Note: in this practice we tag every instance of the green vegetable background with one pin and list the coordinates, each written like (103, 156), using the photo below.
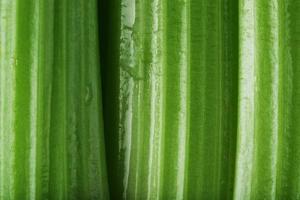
(150, 99)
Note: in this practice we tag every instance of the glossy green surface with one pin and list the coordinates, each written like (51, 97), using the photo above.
(188, 80)
(201, 99)
(268, 155)
(170, 85)
(51, 130)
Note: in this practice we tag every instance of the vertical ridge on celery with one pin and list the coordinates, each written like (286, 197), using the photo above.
(176, 102)
(284, 99)
(198, 72)
(213, 99)
(33, 107)
(293, 54)
(187, 150)
(73, 66)
(266, 100)
(245, 129)
(42, 89)
(153, 100)
(21, 130)
(288, 154)
(131, 95)
(259, 90)
(229, 89)
(86, 92)
(156, 129)
(7, 85)
(57, 138)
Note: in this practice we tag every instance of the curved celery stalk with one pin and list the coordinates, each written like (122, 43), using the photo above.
(171, 94)
(268, 136)
(51, 144)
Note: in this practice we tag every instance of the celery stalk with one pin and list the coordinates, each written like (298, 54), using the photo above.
(170, 82)
(51, 130)
(268, 137)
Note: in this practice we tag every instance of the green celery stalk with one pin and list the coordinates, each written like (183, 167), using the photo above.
(170, 93)
(51, 130)
(268, 131)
